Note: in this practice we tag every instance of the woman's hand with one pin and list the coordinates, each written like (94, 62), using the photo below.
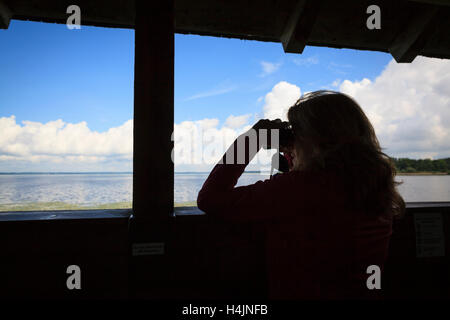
(269, 125)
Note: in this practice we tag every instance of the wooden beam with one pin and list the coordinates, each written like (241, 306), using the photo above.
(287, 38)
(413, 38)
(436, 2)
(153, 168)
(299, 26)
(5, 15)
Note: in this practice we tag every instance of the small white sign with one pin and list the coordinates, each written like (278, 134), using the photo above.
(430, 240)
(150, 248)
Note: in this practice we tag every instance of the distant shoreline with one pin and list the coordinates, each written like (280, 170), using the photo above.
(4, 173)
(182, 172)
(207, 172)
(422, 173)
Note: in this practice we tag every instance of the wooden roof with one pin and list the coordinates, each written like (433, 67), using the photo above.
(408, 27)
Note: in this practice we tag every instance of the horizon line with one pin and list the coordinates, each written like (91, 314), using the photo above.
(91, 172)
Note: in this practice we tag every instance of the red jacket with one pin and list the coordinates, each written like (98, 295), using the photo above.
(315, 248)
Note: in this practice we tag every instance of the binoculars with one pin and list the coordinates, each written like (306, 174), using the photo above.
(286, 135)
(286, 139)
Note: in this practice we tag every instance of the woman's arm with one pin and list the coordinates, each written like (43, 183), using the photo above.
(260, 201)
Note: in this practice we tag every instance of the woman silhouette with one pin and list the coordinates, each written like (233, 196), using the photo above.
(330, 217)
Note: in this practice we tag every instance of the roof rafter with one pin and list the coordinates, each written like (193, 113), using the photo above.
(5, 15)
(438, 2)
(299, 26)
(413, 38)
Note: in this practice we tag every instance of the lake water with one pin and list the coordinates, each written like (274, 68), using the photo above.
(94, 189)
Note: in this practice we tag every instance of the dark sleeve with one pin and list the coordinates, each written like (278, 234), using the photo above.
(262, 200)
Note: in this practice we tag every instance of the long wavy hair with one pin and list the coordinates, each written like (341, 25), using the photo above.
(333, 133)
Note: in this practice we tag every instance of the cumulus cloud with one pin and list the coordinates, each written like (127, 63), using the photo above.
(235, 122)
(55, 138)
(199, 145)
(277, 102)
(61, 146)
(61, 142)
(409, 107)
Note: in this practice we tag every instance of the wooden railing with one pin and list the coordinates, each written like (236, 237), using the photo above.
(202, 258)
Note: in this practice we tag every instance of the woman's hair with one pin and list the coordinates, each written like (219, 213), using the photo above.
(333, 133)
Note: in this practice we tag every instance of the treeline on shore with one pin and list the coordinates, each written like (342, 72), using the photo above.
(405, 165)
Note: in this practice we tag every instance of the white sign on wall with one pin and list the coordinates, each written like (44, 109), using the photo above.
(145, 249)
(430, 240)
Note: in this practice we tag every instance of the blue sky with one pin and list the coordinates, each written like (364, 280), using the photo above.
(208, 64)
(51, 72)
(85, 78)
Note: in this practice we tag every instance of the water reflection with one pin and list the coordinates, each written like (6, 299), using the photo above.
(86, 189)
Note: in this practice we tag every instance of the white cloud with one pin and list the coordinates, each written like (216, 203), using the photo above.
(409, 107)
(235, 122)
(60, 142)
(61, 146)
(200, 145)
(280, 99)
(55, 138)
(269, 67)
(306, 61)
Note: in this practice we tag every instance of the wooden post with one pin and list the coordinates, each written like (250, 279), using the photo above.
(153, 167)
(5, 15)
